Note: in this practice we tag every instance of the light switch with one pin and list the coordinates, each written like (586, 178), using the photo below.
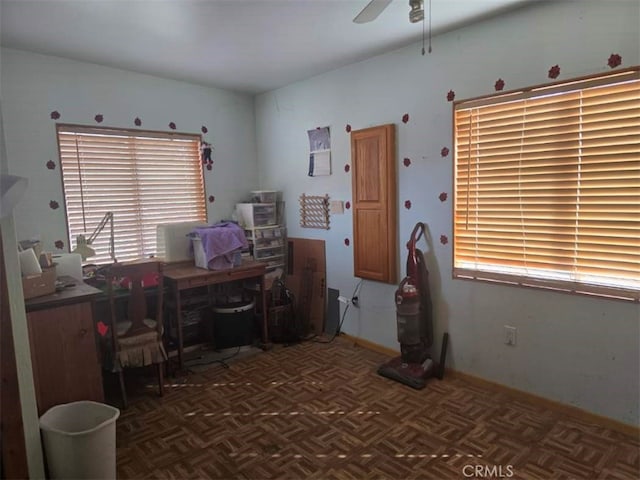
(336, 206)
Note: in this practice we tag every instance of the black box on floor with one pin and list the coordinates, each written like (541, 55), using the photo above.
(233, 325)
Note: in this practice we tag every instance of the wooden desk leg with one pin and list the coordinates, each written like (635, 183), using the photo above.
(265, 332)
(176, 296)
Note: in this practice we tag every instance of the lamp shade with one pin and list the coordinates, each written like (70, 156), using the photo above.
(83, 248)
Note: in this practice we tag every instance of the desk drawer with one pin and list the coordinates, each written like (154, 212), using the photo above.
(221, 276)
(198, 282)
(236, 275)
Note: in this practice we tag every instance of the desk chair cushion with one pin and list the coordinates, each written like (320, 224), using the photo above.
(140, 350)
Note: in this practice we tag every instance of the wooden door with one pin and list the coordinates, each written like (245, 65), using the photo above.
(375, 203)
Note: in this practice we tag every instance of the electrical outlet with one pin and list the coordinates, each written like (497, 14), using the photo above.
(509, 335)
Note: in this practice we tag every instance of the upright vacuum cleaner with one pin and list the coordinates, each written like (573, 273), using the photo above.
(414, 315)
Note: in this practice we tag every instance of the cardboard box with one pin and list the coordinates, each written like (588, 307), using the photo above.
(39, 284)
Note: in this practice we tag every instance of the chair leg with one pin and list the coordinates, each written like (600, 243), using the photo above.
(122, 390)
(160, 367)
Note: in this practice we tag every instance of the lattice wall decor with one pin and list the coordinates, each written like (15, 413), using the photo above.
(314, 211)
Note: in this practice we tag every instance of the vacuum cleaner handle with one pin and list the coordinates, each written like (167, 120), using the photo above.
(413, 240)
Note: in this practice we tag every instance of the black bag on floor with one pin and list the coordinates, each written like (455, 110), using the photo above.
(283, 326)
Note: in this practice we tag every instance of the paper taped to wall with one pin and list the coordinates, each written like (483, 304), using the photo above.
(320, 148)
(320, 163)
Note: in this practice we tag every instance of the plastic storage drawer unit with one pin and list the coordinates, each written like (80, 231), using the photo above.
(251, 215)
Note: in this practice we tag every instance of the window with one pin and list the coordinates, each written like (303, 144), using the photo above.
(547, 186)
(144, 178)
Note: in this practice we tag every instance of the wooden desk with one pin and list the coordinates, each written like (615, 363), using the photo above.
(180, 277)
(63, 346)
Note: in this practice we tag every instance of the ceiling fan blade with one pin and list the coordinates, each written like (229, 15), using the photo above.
(371, 11)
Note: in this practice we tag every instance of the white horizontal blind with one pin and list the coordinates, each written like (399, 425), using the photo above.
(144, 178)
(547, 187)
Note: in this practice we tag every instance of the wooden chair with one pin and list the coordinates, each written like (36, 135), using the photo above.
(136, 336)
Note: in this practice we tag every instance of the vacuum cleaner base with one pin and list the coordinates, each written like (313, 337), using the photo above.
(412, 374)
(415, 374)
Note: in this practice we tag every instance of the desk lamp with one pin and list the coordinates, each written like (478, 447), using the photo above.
(83, 243)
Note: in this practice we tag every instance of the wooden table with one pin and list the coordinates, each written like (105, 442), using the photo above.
(64, 353)
(180, 277)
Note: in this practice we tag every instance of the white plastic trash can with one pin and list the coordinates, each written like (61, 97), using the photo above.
(80, 440)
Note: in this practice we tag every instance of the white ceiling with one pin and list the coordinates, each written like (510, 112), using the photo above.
(244, 45)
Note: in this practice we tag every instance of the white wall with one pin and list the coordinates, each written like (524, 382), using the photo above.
(32, 86)
(576, 350)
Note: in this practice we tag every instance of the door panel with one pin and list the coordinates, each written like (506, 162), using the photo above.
(375, 203)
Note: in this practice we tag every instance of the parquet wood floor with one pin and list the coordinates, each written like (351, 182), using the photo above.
(319, 411)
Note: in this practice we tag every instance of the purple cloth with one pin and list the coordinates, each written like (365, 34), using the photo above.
(220, 242)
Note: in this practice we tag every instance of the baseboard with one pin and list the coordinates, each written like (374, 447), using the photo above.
(554, 405)
(370, 345)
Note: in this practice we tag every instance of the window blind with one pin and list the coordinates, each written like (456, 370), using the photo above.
(547, 186)
(144, 178)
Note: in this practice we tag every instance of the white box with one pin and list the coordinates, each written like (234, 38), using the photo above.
(173, 242)
(201, 259)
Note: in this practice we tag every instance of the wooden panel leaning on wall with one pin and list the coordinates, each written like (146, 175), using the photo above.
(306, 278)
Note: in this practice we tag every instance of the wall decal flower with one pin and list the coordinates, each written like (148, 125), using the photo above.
(554, 71)
(172, 126)
(405, 118)
(348, 128)
(444, 152)
(444, 239)
(346, 242)
(451, 95)
(53, 205)
(137, 121)
(212, 199)
(347, 167)
(204, 129)
(99, 118)
(55, 115)
(51, 165)
(407, 162)
(347, 205)
(407, 204)
(209, 166)
(499, 85)
(59, 244)
(615, 60)
(443, 197)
